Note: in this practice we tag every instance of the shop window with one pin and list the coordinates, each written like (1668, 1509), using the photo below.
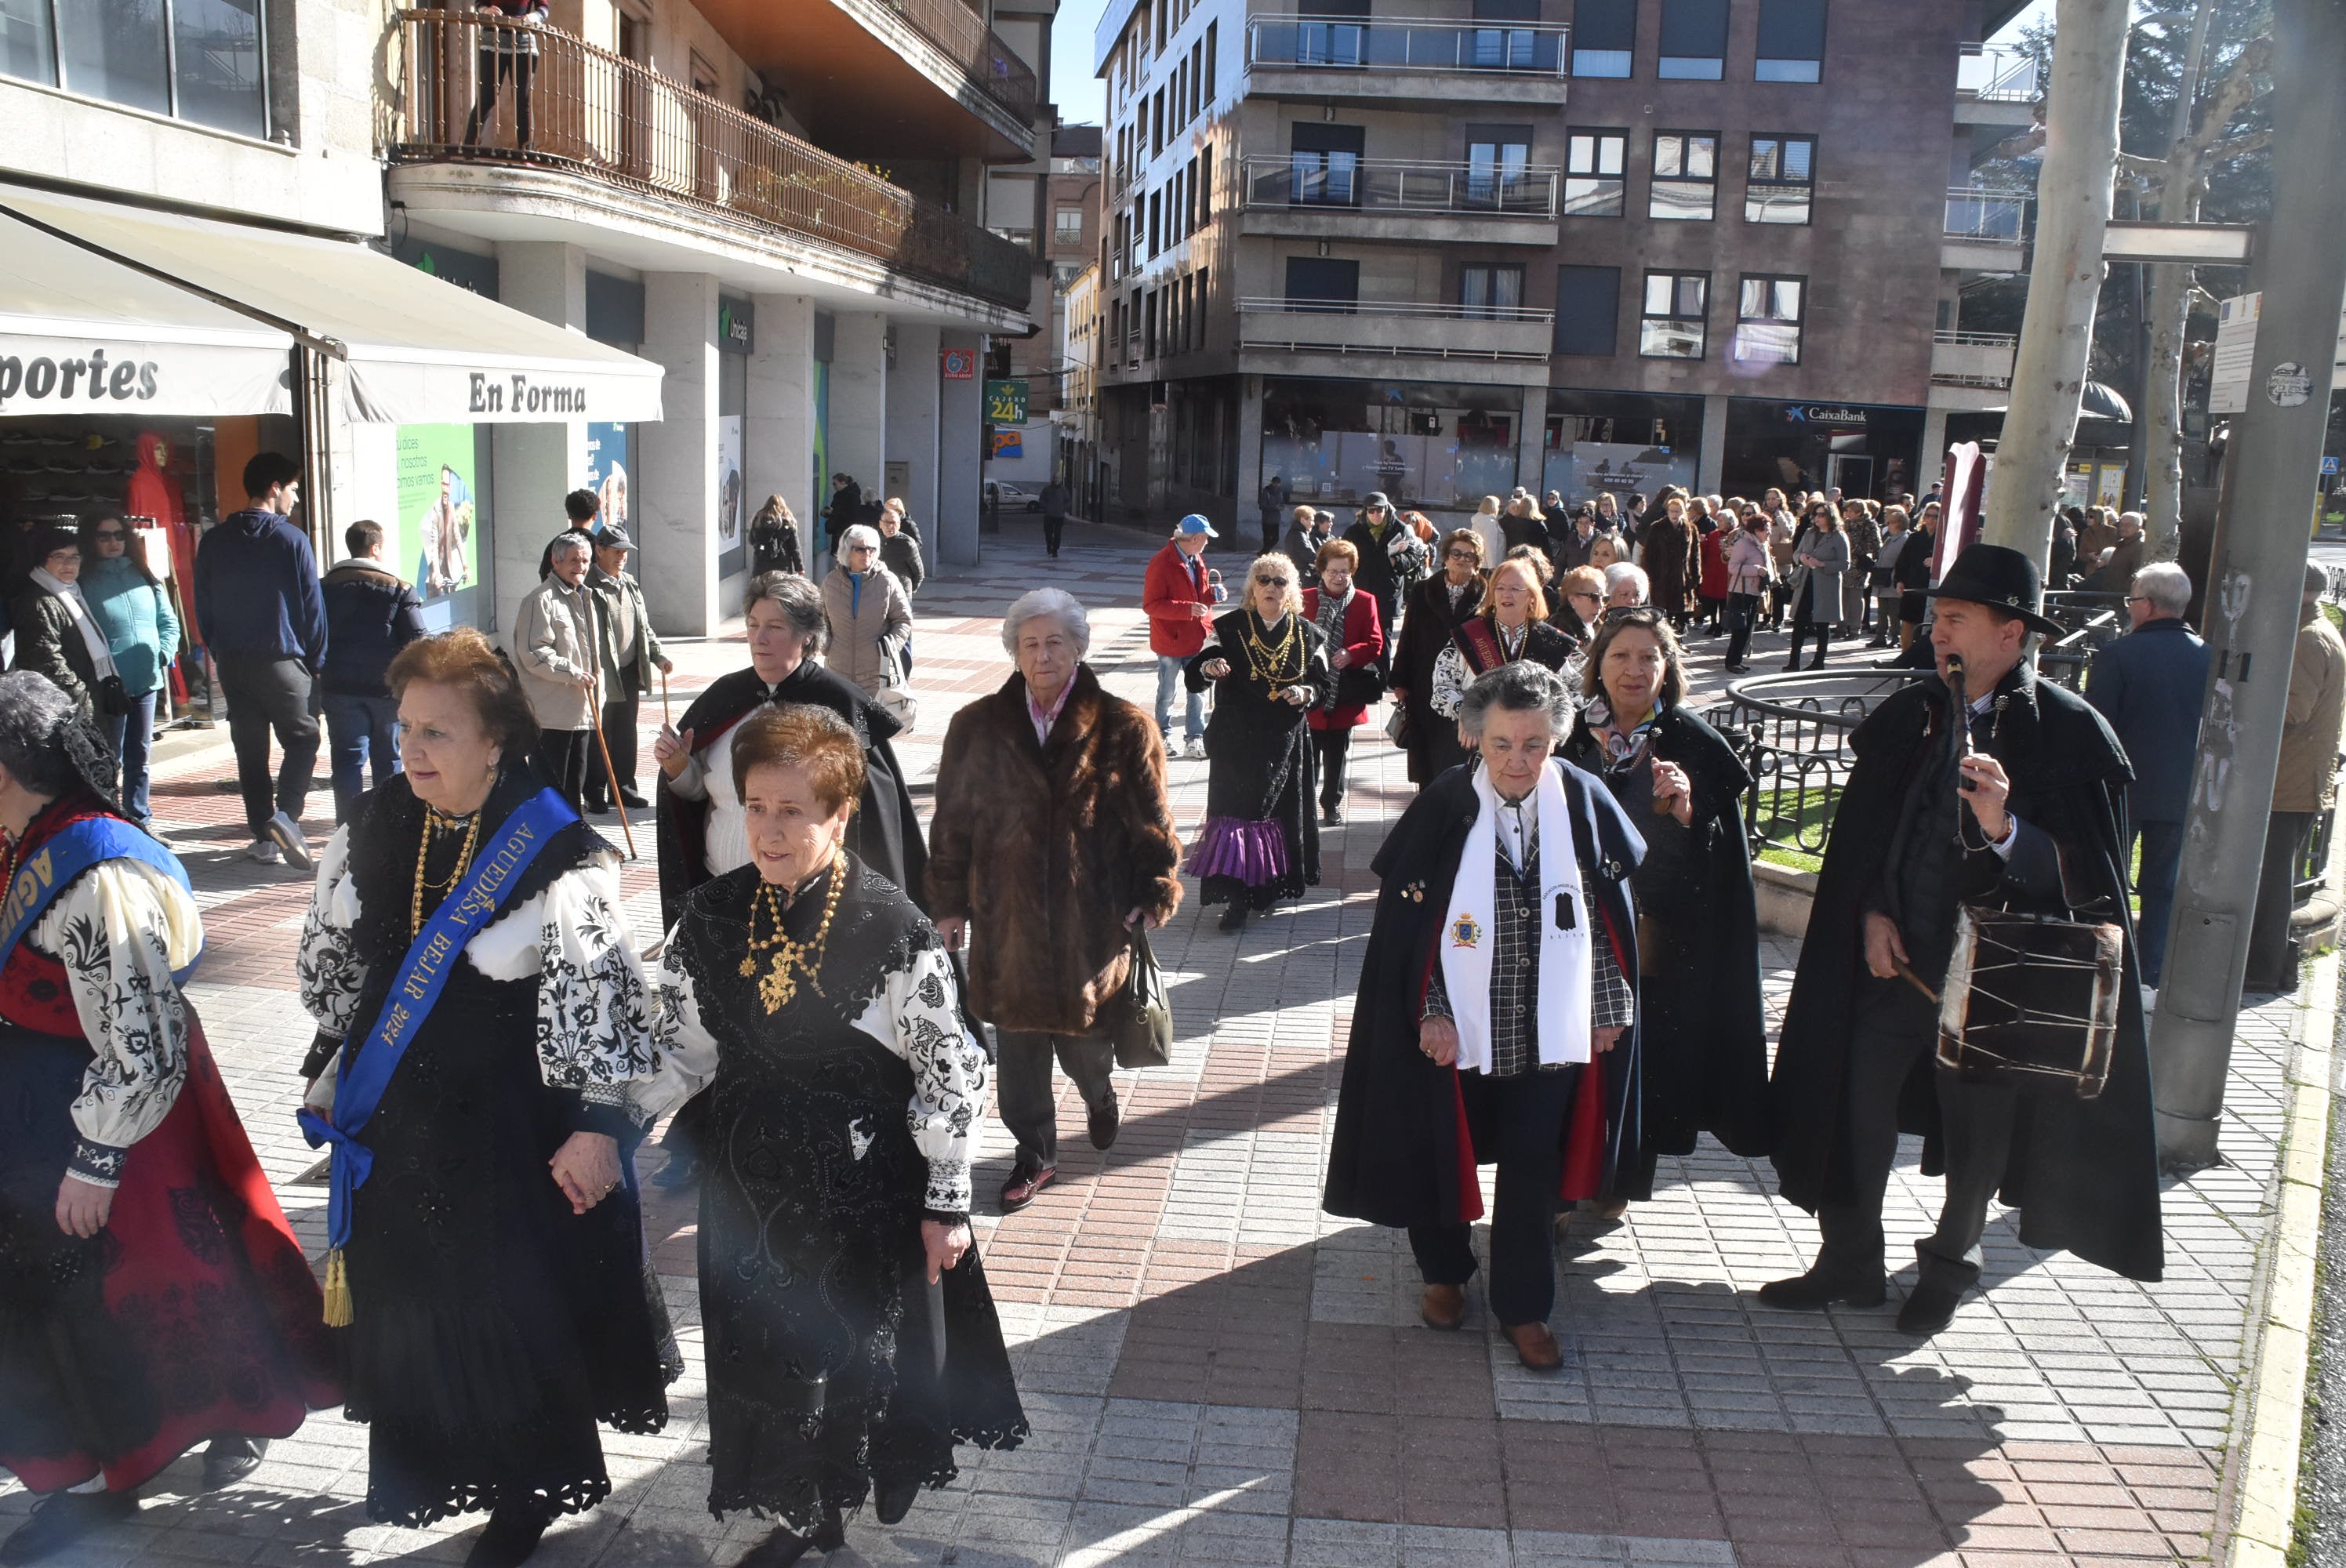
(1604, 36)
(1593, 163)
(1433, 445)
(1588, 309)
(1067, 225)
(1792, 41)
(1676, 309)
(1694, 41)
(1686, 175)
(1768, 320)
(1783, 179)
(1497, 157)
(1491, 290)
(198, 60)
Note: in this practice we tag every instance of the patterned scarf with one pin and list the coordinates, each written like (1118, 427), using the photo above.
(1620, 753)
(1331, 628)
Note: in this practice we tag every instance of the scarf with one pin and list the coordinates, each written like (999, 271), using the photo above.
(1566, 960)
(101, 657)
(1332, 627)
(1618, 753)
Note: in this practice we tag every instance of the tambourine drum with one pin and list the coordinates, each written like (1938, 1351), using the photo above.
(2031, 1001)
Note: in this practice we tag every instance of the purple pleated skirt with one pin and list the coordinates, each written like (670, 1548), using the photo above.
(1255, 853)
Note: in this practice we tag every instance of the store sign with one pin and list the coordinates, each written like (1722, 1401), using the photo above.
(734, 320)
(960, 364)
(1826, 414)
(1006, 402)
(52, 375)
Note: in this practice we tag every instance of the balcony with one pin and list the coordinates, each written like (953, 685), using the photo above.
(1344, 59)
(949, 82)
(1406, 338)
(1971, 370)
(1986, 232)
(1995, 87)
(624, 128)
(1312, 196)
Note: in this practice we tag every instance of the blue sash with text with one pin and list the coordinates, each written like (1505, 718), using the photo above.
(65, 855)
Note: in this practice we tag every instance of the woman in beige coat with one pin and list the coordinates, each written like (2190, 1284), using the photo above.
(871, 619)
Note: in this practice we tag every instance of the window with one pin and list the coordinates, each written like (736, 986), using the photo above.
(1322, 284)
(1503, 48)
(1593, 161)
(1156, 221)
(1686, 175)
(1694, 40)
(1201, 306)
(200, 60)
(1320, 42)
(1496, 159)
(1067, 225)
(1588, 309)
(1324, 166)
(1491, 289)
(1783, 179)
(1767, 321)
(1677, 305)
(1604, 36)
(1206, 86)
(1156, 122)
(1792, 41)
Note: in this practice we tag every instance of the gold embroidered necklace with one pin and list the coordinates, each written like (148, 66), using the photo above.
(1267, 663)
(779, 984)
(434, 824)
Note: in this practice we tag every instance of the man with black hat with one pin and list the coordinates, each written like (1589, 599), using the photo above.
(630, 650)
(2028, 821)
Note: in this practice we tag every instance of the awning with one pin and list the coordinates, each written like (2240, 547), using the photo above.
(80, 335)
(417, 351)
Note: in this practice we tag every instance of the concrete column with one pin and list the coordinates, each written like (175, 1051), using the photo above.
(1933, 458)
(914, 383)
(1531, 443)
(778, 412)
(533, 466)
(859, 397)
(1250, 477)
(1714, 443)
(676, 494)
(961, 406)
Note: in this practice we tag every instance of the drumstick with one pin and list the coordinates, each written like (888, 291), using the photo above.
(1915, 981)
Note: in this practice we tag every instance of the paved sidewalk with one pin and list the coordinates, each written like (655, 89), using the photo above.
(1218, 1372)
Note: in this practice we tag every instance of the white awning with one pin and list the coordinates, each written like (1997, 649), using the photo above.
(417, 351)
(80, 335)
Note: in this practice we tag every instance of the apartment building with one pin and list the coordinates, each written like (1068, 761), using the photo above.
(1441, 248)
(1066, 239)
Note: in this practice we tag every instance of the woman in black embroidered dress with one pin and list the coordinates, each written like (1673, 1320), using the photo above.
(819, 1008)
(1261, 841)
(1511, 625)
(499, 1303)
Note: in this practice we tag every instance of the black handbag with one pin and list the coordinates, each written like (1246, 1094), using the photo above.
(1143, 1035)
(112, 697)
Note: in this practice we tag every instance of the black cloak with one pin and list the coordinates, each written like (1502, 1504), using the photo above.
(1703, 1029)
(1395, 1159)
(885, 831)
(2083, 1173)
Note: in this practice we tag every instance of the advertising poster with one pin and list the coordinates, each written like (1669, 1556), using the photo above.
(439, 514)
(611, 464)
(730, 551)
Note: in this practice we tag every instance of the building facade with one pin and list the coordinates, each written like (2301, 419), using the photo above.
(1442, 248)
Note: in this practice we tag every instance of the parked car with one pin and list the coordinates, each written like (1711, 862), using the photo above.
(1014, 495)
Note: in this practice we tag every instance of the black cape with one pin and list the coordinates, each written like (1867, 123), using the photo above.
(1263, 769)
(2083, 1173)
(1395, 1159)
(885, 831)
(1703, 1029)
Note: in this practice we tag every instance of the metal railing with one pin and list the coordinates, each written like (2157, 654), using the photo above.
(1276, 304)
(1997, 216)
(1997, 75)
(1976, 339)
(1979, 373)
(588, 111)
(1792, 731)
(1339, 42)
(1395, 185)
(1277, 324)
(989, 64)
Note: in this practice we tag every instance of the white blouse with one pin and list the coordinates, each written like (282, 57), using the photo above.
(709, 776)
(594, 1018)
(120, 930)
(917, 1015)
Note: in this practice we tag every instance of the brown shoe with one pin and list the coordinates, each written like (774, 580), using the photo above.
(1442, 1307)
(1535, 1347)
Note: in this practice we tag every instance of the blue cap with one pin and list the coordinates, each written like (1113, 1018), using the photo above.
(1196, 523)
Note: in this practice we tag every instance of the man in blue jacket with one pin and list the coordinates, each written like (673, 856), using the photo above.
(2149, 684)
(264, 622)
(371, 615)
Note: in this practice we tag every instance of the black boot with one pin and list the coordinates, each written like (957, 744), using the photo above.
(1825, 1284)
(891, 1500)
(229, 1460)
(513, 1534)
(62, 1518)
(1234, 916)
(1939, 1285)
(778, 1550)
(1824, 646)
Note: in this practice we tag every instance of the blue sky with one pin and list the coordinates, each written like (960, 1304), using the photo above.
(1078, 95)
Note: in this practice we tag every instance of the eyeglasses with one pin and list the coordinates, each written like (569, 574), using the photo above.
(1273, 582)
(2137, 599)
(108, 534)
(1461, 555)
(859, 549)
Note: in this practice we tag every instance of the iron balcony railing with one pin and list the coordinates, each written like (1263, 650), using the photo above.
(589, 112)
(1395, 185)
(1339, 41)
(1997, 75)
(1973, 358)
(991, 66)
(1290, 305)
(2000, 217)
(1395, 327)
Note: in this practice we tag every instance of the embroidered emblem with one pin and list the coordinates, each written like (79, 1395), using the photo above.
(859, 1137)
(1464, 933)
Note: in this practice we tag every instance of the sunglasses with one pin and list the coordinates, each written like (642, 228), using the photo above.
(109, 533)
(1273, 582)
(1462, 555)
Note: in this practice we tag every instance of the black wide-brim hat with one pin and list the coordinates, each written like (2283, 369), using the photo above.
(2002, 578)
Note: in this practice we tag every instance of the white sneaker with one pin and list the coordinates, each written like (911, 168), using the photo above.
(265, 850)
(288, 834)
(1195, 750)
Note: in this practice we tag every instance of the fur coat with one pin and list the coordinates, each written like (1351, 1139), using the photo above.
(1046, 848)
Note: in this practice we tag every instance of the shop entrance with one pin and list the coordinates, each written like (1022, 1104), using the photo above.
(1851, 473)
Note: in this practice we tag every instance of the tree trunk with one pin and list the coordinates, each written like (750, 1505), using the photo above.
(2170, 305)
(2072, 213)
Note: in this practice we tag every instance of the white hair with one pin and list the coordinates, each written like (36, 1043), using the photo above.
(857, 533)
(565, 543)
(2167, 586)
(1057, 603)
(1621, 572)
(1522, 686)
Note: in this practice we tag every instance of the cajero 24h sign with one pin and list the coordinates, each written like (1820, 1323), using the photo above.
(1006, 402)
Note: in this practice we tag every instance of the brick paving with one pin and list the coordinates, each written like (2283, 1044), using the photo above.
(1216, 1371)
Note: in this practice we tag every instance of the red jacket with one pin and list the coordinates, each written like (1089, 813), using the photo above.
(1175, 582)
(1363, 638)
(1714, 565)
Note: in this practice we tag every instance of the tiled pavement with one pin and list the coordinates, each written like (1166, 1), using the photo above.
(1218, 1372)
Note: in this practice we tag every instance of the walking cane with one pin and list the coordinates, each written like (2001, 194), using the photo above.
(611, 776)
(665, 718)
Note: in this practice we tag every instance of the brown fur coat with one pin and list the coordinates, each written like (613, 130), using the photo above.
(1046, 849)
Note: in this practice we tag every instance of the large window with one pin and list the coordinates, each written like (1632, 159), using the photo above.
(1496, 159)
(1783, 179)
(1588, 309)
(1592, 162)
(1323, 283)
(1768, 320)
(1792, 41)
(1324, 164)
(200, 60)
(1067, 225)
(1434, 445)
(1676, 309)
(1694, 40)
(1686, 175)
(1604, 36)
(1501, 47)
(1491, 289)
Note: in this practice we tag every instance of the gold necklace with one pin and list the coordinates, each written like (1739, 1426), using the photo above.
(780, 985)
(1263, 662)
(434, 824)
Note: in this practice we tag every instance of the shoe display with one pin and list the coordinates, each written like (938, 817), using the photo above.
(1024, 1184)
(1442, 1307)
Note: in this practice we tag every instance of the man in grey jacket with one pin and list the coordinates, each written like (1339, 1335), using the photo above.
(555, 637)
(629, 651)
